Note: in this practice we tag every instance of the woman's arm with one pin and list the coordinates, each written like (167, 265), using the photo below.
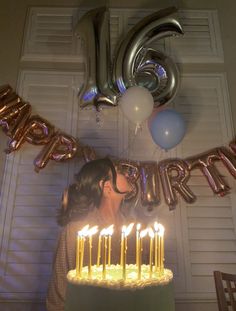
(64, 260)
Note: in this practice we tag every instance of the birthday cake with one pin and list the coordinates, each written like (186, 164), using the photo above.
(127, 287)
(148, 293)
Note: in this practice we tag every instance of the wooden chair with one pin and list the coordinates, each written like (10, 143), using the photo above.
(226, 290)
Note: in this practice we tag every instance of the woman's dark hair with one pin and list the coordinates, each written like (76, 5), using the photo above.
(85, 195)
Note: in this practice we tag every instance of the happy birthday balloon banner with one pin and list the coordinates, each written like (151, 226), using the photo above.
(18, 123)
(135, 64)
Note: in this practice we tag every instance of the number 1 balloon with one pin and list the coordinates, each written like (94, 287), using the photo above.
(93, 30)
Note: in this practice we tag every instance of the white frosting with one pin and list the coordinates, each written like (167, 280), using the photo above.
(114, 278)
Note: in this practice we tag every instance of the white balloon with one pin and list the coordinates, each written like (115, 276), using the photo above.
(137, 104)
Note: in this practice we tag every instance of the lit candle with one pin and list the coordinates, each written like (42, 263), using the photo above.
(99, 250)
(138, 226)
(81, 254)
(122, 245)
(104, 257)
(78, 256)
(126, 233)
(109, 232)
(156, 227)
(82, 235)
(91, 232)
(151, 236)
(143, 233)
(104, 233)
(109, 250)
(161, 236)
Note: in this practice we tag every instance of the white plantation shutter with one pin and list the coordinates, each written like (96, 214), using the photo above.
(50, 36)
(101, 131)
(199, 237)
(201, 42)
(209, 231)
(31, 228)
(30, 200)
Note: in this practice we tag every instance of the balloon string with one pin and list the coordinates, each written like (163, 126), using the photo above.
(160, 153)
(137, 127)
(129, 147)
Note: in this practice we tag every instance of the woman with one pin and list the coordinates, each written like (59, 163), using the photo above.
(95, 199)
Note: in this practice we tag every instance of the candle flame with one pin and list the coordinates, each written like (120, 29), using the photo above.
(103, 231)
(107, 231)
(138, 227)
(84, 231)
(156, 226)
(93, 230)
(110, 230)
(123, 229)
(151, 233)
(161, 230)
(129, 229)
(143, 233)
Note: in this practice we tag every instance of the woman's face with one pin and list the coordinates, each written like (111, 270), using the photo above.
(122, 183)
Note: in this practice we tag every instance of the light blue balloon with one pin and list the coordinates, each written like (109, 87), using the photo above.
(167, 128)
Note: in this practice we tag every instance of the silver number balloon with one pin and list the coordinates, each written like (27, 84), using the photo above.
(136, 64)
(93, 30)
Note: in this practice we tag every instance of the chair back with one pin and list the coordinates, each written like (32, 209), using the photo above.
(225, 290)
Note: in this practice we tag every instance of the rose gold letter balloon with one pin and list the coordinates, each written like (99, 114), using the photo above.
(38, 131)
(150, 190)
(228, 159)
(61, 147)
(233, 146)
(5, 90)
(16, 129)
(175, 183)
(205, 162)
(12, 113)
(131, 170)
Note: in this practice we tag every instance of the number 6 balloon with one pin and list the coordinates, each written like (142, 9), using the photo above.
(135, 64)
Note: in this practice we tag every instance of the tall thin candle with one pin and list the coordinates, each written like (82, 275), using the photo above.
(143, 233)
(137, 243)
(156, 228)
(151, 236)
(82, 254)
(78, 256)
(122, 245)
(126, 233)
(124, 259)
(91, 232)
(161, 235)
(99, 250)
(109, 232)
(104, 257)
